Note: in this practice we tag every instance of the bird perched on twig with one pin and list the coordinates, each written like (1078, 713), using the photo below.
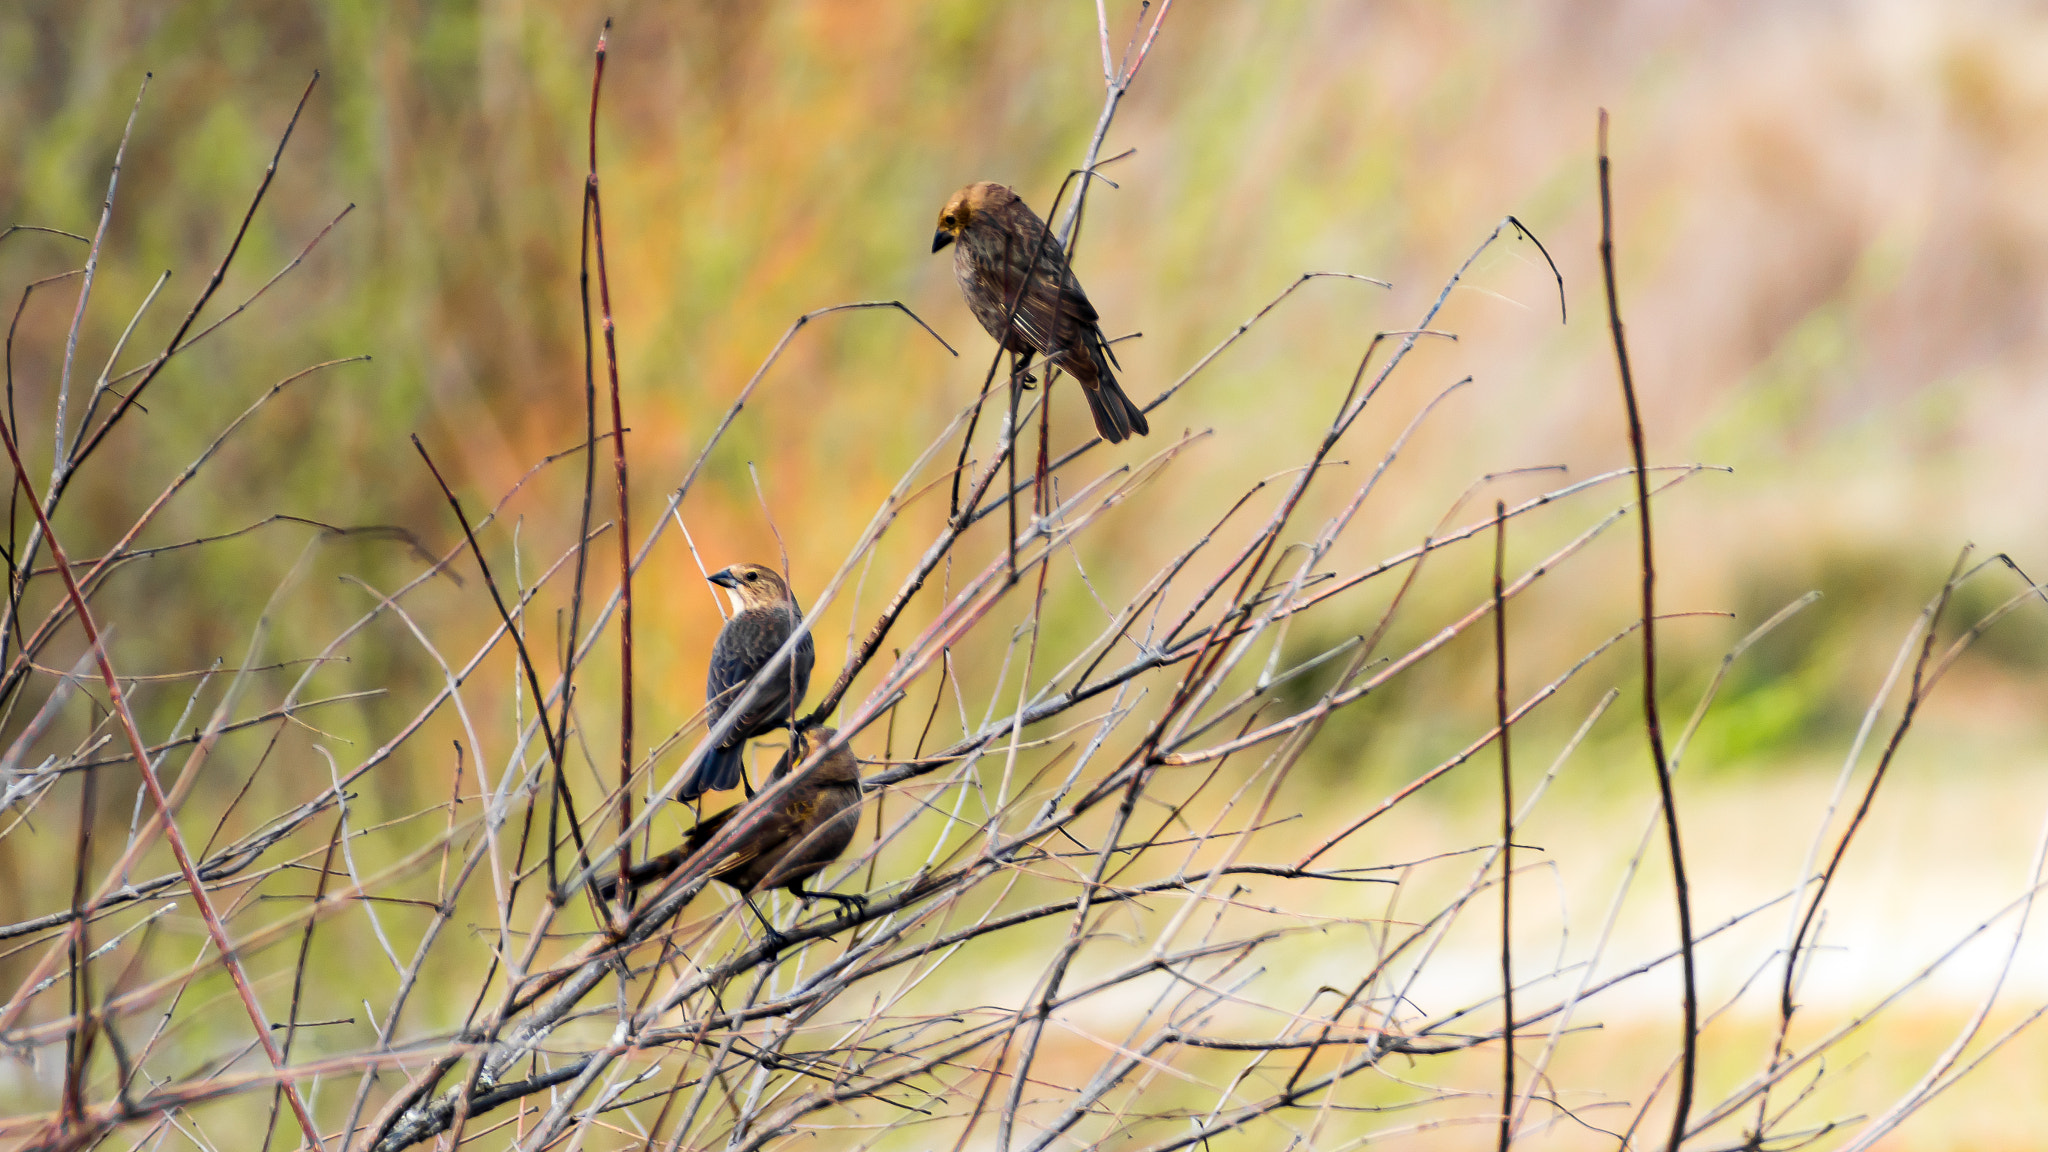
(764, 615)
(1016, 279)
(807, 831)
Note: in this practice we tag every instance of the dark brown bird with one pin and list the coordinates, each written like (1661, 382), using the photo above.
(806, 832)
(1007, 259)
(764, 615)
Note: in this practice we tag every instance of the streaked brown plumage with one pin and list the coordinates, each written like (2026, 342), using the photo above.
(998, 237)
(765, 612)
(806, 832)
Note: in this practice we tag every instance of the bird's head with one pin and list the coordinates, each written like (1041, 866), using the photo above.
(965, 208)
(752, 586)
(838, 768)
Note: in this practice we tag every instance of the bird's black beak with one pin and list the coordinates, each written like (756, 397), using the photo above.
(941, 240)
(724, 578)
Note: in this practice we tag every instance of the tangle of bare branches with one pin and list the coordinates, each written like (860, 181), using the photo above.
(1091, 908)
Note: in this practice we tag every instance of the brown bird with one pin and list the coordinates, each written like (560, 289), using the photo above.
(764, 614)
(807, 831)
(1006, 260)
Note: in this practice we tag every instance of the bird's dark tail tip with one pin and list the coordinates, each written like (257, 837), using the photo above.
(1116, 418)
(647, 871)
(719, 771)
(1139, 424)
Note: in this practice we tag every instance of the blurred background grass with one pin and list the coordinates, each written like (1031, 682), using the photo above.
(1833, 262)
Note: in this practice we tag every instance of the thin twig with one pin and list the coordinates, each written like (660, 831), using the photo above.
(1653, 726)
(625, 534)
(1507, 827)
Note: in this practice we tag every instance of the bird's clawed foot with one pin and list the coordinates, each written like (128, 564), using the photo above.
(772, 940)
(857, 903)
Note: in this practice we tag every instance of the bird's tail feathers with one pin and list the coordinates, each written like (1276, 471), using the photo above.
(719, 771)
(658, 867)
(1116, 417)
(646, 872)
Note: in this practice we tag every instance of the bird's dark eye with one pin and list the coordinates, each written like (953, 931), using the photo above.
(948, 221)
(752, 576)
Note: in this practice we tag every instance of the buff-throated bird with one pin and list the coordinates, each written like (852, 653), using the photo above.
(764, 615)
(1016, 279)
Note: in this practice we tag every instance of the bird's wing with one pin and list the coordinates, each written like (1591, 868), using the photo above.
(799, 809)
(995, 284)
(706, 828)
(729, 669)
(733, 862)
(1055, 310)
(806, 658)
(817, 835)
(762, 850)
(744, 645)
(742, 852)
(1076, 300)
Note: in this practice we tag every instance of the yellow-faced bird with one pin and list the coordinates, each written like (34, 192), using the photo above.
(794, 842)
(764, 616)
(1016, 279)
